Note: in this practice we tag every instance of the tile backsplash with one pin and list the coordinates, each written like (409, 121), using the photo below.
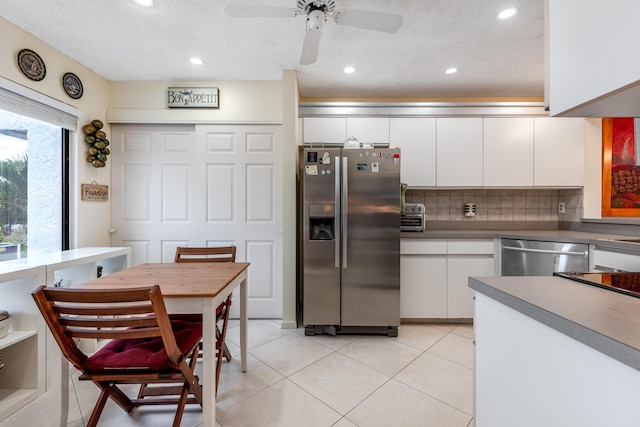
(500, 204)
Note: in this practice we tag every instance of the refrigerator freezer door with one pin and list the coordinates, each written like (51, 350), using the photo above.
(321, 237)
(371, 269)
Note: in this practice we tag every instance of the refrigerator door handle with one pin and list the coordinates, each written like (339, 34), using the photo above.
(345, 208)
(337, 209)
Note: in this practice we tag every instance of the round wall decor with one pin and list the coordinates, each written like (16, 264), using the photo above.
(72, 85)
(31, 64)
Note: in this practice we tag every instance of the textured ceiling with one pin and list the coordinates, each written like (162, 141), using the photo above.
(122, 41)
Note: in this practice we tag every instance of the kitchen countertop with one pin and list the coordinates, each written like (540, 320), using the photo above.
(606, 321)
(600, 239)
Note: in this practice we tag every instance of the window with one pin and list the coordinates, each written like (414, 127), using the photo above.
(34, 186)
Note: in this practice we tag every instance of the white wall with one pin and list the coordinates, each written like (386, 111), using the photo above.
(239, 101)
(90, 220)
(290, 137)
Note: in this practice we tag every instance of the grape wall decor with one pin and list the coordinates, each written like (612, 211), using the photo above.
(98, 142)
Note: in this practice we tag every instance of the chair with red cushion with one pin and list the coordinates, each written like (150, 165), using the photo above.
(145, 347)
(212, 254)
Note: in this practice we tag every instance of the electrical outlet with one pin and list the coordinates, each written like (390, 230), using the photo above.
(561, 207)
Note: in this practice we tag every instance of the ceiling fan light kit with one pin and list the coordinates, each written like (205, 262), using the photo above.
(316, 20)
(317, 12)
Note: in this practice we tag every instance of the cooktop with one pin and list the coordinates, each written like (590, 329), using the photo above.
(624, 282)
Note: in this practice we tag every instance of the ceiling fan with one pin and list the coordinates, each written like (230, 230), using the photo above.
(317, 13)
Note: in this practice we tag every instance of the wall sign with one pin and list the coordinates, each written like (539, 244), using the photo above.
(94, 192)
(192, 97)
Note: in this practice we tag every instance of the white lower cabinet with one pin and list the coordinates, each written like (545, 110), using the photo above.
(434, 276)
(423, 295)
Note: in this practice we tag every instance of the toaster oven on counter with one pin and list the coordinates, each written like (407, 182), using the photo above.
(412, 217)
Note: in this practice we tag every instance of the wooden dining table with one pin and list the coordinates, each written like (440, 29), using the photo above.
(187, 288)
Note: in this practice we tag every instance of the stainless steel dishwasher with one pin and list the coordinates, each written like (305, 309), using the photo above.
(542, 258)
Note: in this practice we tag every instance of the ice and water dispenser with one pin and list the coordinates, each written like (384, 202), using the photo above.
(322, 221)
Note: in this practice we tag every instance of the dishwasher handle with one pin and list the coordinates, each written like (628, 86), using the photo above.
(546, 251)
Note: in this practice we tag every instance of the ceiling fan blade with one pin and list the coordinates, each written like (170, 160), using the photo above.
(246, 11)
(310, 47)
(376, 21)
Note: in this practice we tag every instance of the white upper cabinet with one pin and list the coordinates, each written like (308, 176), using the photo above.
(416, 137)
(558, 152)
(369, 129)
(459, 152)
(336, 129)
(324, 130)
(469, 151)
(593, 69)
(508, 152)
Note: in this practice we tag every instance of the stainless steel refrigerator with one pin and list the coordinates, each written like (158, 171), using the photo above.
(350, 212)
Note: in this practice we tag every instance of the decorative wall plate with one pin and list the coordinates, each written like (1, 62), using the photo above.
(31, 64)
(72, 85)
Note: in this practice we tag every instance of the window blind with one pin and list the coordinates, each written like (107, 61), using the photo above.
(27, 102)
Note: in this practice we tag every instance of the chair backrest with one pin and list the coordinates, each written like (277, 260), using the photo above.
(114, 314)
(214, 254)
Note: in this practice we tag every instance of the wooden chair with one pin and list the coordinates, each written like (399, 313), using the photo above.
(145, 346)
(213, 254)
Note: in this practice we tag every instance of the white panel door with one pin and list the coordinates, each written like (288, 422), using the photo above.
(204, 185)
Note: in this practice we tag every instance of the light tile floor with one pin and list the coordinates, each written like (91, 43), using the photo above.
(424, 377)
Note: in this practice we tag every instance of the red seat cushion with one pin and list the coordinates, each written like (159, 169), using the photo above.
(186, 317)
(147, 353)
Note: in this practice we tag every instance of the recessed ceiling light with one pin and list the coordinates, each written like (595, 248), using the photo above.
(349, 70)
(144, 3)
(196, 61)
(508, 13)
(451, 70)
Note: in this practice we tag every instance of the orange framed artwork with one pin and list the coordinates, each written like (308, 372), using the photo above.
(620, 168)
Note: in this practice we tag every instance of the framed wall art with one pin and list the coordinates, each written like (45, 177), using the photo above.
(620, 167)
(31, 65)
(72, 85)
